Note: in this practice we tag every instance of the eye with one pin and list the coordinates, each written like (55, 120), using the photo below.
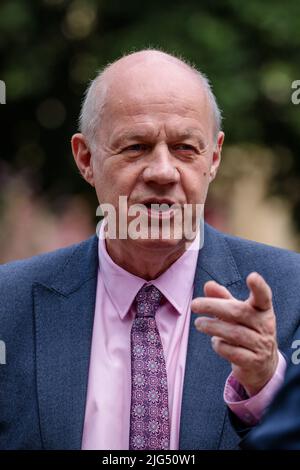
(185, 149)
(135, 148)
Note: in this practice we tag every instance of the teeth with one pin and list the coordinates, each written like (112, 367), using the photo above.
(163, 207)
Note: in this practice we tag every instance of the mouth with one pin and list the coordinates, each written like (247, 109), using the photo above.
(159, 208)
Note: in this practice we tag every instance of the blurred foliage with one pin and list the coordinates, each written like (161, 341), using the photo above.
(50, 49)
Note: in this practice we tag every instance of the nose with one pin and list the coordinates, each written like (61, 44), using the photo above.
(160, 168)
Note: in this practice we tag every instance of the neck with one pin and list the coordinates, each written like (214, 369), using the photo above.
(145, 262)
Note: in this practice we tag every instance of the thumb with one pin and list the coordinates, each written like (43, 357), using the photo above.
(260, 292)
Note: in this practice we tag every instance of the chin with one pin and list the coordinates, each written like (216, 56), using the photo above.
(158, 243)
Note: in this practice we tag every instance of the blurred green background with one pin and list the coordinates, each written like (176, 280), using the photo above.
(50, 49)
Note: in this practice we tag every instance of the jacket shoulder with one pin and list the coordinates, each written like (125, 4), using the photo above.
(248, 252)
(263, 255)
(40, 268)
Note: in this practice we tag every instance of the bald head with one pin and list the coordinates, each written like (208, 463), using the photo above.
(146, 71)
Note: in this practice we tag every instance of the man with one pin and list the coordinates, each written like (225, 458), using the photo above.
(102, 349)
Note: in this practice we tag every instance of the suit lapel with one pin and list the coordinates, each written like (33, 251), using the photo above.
(203, 409)
(64, 313)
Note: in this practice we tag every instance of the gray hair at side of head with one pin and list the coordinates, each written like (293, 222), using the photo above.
(91, 109)
(94, 100)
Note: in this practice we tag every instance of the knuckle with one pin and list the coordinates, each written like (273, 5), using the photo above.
(262, 345)
(207, 307)
(236, 335)
(237, 309)
(268, 327)
(243, 338)
(234, 356)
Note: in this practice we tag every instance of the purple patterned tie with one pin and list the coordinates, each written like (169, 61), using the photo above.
(149, 415)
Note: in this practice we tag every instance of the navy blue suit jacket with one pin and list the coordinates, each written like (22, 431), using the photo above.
(46, 319)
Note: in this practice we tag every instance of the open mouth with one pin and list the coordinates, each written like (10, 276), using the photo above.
(159, 208)
(164, 207)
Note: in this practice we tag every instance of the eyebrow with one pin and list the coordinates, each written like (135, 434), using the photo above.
(129, 135)
(140, 135)
(188, 133)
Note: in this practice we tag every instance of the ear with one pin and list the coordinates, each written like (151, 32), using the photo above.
(82, 157)
(216, 160)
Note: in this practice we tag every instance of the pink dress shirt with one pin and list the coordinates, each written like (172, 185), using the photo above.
(107, 414)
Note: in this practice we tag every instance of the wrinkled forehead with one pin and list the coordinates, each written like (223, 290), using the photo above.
(142, 83)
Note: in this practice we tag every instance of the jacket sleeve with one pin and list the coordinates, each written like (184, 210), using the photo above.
(280, 427)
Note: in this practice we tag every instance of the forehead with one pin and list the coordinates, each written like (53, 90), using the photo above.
(162, 90)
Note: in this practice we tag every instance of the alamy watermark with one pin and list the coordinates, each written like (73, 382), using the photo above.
(296, 94)
(2, 353)
(296, 354)
(2, 92)
(151, 221)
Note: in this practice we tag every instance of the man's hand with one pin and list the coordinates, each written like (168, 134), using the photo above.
(243, 332)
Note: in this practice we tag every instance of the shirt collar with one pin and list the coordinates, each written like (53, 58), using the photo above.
(176, 283)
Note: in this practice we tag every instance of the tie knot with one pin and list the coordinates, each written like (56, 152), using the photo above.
(147, 301)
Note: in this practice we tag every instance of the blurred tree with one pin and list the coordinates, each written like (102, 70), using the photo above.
(50, 49)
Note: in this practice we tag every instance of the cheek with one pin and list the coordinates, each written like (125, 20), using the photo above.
(115, 179)
(195, 183)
